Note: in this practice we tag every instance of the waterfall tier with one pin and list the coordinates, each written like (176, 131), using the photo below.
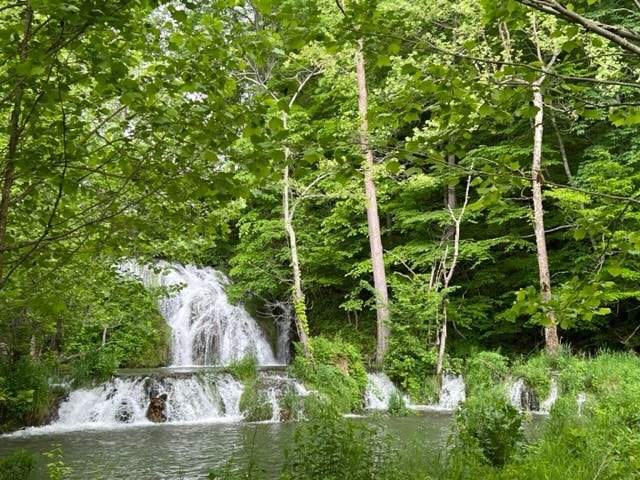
(203, 397)
(126, 400)
(206, 329)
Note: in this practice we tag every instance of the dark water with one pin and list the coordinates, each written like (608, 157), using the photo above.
(191, 451)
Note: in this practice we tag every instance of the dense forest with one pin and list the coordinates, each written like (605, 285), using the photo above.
(421, 179)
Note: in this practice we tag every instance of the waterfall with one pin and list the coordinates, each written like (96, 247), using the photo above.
(522, 396)
(125, 401)
(452, 391)
(205, 328)
(283, 314)
(378, 391)
(545, 406)
(580, 399)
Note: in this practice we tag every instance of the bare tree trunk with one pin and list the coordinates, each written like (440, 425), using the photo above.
(12, 149)
(563, 151)
(552, 342)
(450, 203)
(447, 272)
(373, 220)
(299, 303)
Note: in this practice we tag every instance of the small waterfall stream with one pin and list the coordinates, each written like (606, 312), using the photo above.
(378, 392)
(452, 391)
(524, 398)
(380, 389)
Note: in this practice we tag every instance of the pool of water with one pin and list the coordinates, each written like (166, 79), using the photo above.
(191, 450)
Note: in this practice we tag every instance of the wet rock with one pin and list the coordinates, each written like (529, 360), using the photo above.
(156, 410)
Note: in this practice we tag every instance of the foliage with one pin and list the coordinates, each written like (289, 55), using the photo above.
(488, 426)
(336, 371)
(56, 467)
(17, 466)
(254, 404)
(537, 372)
(244, 370)
(397, 406)
(415, 324)
(484, 371)
(336, 449)
(27, 397)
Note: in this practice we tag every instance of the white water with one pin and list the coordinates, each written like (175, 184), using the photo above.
(452, 391)
(205, 328)
(545, 406)
(380, 388)
(522, 397)
(581, 398)
(125, 400)
(378, 392)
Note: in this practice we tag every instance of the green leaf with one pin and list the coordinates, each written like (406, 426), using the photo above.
(394, 48)
(485, 110)
(276, 124)
(383, 61)
(408, 69)
(393, 166)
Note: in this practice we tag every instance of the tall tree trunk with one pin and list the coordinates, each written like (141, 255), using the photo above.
(450, 232)
(552, 343)
(446, 272)
(373, 220)
(298, 297)
(8, 169)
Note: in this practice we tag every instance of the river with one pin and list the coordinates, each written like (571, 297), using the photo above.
(189, 451)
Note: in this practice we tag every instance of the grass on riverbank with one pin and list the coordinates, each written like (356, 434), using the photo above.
(593, 432)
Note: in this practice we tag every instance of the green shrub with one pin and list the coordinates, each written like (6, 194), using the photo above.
(537, 372)
(335, 449)
(17, 466)
(291, 404)
(25, 395)
(484, 371)
(490, 427)
(397, 406)
(336, 371)
(255, 404)
(245, 369)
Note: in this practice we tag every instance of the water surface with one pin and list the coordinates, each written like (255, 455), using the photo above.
(191, 451)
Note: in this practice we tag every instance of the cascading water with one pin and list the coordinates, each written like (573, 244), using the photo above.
(545, 406)
(206, 328)
(522, 396)
(125, 400)
(452, 391)
(378, 392)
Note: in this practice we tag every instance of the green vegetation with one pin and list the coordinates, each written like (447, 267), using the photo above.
(17, 466)
(254, 404)
(225, 120)
(244, 370)
(592, 441)
(336, 371)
